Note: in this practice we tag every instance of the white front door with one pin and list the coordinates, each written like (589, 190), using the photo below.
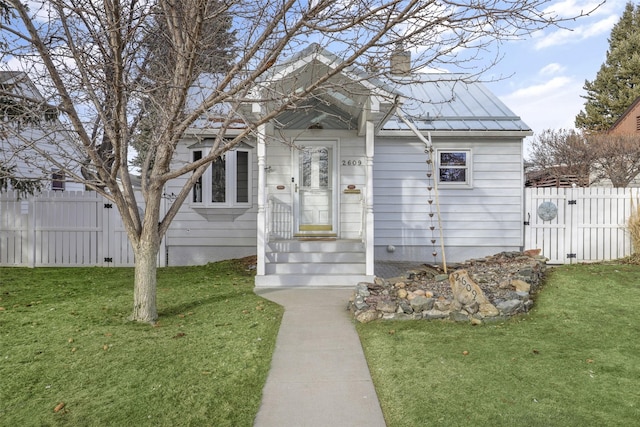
(316, 205)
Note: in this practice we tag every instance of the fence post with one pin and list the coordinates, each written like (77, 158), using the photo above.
(32, 239)
(162, 251)
(572, 225)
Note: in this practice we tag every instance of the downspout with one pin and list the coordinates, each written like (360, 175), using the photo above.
(429, 145)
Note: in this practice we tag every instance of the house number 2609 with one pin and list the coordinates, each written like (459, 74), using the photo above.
(352, 163)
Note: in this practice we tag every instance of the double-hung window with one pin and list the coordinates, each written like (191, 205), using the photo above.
(227, 181)
(454, 168)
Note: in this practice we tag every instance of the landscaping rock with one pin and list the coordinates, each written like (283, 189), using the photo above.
(465, 290)
(459, 316)
(405, 306)
(421, 303)
(490, 288)
(443, 305)
(509, 307)
(387, 306)
(359, 302)
(488, 310)
(521, 285)
(435, 314)
(362, 288)
(367, 316)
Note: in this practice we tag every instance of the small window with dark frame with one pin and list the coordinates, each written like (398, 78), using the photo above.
(638, 123)
(57, 180)
(242, 177)
(197, 188)
(219, 180)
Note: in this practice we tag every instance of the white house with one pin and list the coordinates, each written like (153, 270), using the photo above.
(425, 168)
(33, 142)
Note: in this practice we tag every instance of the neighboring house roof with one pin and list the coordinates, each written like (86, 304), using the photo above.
(449, 102)
(10, 76)
(37, 148)
(629, 121)
(19, 85)
(554, 178)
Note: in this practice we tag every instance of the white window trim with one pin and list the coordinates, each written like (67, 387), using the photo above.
(230, 178)
(469, 168)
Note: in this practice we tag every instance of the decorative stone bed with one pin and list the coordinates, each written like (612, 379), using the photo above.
(477, 290)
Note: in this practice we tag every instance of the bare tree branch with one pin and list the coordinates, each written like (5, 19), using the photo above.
(95, 61)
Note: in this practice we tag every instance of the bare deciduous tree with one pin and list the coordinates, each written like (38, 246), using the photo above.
(585, 159)
(92, 60)
(617, 157)
(562, 156)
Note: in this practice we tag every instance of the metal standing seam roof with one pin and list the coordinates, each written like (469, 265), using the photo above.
(432, 101)
(451, 102)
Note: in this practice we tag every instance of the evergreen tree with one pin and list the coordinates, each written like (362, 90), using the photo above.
(617, 83)
(212, 56)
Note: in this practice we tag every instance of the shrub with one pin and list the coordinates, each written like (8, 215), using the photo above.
(633, 224)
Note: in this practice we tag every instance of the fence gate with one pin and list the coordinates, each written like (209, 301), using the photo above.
(578, 224)
(64, 229)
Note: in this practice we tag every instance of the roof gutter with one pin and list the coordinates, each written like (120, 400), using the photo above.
(493, 134)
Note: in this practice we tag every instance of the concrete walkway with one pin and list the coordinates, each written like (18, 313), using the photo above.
(319, 376)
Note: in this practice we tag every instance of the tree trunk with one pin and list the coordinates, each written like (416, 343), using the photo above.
(144, 288)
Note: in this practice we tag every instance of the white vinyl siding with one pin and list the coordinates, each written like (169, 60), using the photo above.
(350, 151)
(486, 217)
(352, 166)
(199, 235)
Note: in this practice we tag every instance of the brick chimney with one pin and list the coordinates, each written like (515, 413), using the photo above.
(400, 62)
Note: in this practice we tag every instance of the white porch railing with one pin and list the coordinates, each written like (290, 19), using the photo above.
(279, 220)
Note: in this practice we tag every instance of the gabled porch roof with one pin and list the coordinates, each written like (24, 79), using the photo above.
(346, 100)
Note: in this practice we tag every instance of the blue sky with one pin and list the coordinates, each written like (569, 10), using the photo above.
(541, 78)
(544, 75)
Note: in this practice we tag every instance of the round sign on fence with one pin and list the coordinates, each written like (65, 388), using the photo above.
(547, 211)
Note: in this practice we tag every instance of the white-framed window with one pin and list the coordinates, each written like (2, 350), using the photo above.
(227, 181)
(454, 168)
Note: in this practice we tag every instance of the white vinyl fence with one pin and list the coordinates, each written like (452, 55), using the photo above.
(578, 224)
(83, 229)
(65, 229)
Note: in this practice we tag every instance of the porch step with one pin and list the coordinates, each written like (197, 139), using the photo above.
(306, 280)
(315, 257)
(313, 263)
(315, 246)
(315, 268)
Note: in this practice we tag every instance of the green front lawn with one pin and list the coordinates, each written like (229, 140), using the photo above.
(64, 338)
(573, 361)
